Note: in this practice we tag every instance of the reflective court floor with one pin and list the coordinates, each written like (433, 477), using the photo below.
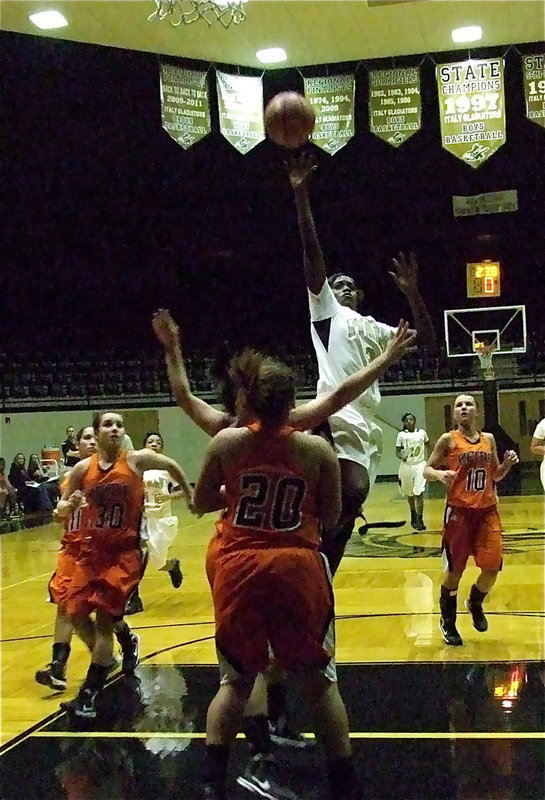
(427, 721)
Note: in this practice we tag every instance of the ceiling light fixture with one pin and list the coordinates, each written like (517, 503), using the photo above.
(271, 55)
(48, 19)
(470, 34)
(184, 12)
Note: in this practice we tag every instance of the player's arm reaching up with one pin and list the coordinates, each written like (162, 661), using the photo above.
(209, 419)
(300, 169)
(315, 412)
(405, 278)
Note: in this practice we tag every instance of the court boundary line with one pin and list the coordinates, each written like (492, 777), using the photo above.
(353, 735)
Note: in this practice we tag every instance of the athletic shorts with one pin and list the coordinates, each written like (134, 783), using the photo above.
(103, 581)
(60, 582)
(358, 438)
(211, 557)
(160, 535)
(472, 532)
(411, 479)
(542, 474)
(273, 603)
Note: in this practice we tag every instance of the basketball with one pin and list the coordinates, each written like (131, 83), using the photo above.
(289, 119)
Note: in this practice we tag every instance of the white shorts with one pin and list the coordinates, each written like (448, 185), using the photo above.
(161, 532)
(358, 438)
(542, 474)
(411, 479)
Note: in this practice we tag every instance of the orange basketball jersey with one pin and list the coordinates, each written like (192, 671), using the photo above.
(474, 485)
(75, 523)
(269, 503)
(116, 498)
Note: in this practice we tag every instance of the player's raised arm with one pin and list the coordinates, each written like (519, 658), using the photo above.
(438, 457)
(405, 278)
(300, 168)
(313, 413)
(209, 419)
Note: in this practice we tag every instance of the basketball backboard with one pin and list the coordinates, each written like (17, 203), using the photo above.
(501, 326)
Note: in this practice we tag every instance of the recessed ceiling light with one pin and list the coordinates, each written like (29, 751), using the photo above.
(271, 55)
(470, 34)
(48, 19)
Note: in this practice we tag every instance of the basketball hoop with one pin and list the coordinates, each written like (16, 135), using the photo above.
(187, 11)
(485, 353)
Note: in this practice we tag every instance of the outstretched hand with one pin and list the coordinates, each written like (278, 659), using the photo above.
(166, 330)
(300, 167)
(402, 342)
(405, 276)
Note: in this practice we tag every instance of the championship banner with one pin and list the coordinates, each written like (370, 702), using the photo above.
(185, 110)
(472, 108)
(240, 103)
(534, 88)
(395, 104)
(332, 99)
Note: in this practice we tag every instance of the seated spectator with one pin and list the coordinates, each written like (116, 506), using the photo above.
(8, 495)
(35, 470)
(33, 497)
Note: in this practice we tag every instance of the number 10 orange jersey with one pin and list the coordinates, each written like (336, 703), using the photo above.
(474, 485)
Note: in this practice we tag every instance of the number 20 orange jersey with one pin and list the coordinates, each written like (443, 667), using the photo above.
(269, 501)
(474, 485)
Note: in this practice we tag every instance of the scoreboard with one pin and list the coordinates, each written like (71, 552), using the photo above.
(483, 279)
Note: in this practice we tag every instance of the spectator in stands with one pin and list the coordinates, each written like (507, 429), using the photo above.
(34, 498)
(70, 448)
(8, 495)
(35, 469)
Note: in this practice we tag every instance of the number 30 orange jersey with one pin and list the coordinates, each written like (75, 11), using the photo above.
(474, 485)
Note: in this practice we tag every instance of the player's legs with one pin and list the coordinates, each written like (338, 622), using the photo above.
(355, 486)
(419, 486)
(487, 551)
(457, 547)
(54, 674)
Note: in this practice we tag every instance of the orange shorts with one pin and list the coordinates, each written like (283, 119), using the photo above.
(277, 597)
(211, 557)
(102, 581)
(59, 584)
(472, 532)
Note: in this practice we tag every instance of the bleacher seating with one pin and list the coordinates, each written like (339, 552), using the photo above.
(28, 381)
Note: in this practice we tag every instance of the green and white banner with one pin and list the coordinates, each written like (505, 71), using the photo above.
(472, 108)
(240, 105)
(395, 104)
(185, 110)
(332, 99)
(534, 88)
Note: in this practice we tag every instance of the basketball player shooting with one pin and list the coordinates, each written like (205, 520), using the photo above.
(345, 341)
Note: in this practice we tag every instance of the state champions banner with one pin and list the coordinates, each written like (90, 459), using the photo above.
(332, 99)
(395, 104)
(185, 108)
(240, 106)
(472, 108)
(534, 88)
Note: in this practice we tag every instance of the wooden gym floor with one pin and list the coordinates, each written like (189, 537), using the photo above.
(428, 721)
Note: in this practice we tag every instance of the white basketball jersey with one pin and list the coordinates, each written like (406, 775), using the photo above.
(539, 432)
(412, 445)
(344, 342)
(157, 481)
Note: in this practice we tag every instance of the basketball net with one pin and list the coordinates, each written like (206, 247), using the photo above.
(184, 12)
(485, 353)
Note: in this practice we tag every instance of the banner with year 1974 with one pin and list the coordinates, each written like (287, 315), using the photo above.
(472, 108)
(332, 99)
(185, 110)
